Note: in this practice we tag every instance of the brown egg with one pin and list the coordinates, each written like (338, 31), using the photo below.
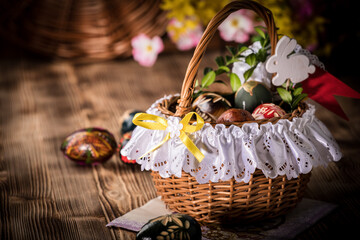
(210, 106)
(235, 115)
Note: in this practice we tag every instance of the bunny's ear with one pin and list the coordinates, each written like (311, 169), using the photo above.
(290, 47)
(285, 46)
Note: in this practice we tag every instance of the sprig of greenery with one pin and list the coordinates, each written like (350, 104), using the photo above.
(255, 58)
(291, 94)
(224, 65)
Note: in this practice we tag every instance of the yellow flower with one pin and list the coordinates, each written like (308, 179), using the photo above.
(202, 10)
(178, 9)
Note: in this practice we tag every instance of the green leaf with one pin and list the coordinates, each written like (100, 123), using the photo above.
(241, 50)
(220, 61)
(297, 85)
(297, 91)
(248, 73)
(221, 70)
(260, 32)
(265, 42)
(228, 58)
(235, 82)
(256, 38)
(207, 69)
(232, 50)
(251, 59)
(285, 95)
(225, 68)
(298, 99)
(261, 55)
(197, 83)
(208, 79)
(232, 60)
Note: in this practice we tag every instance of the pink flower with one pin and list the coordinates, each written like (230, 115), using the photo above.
(145, 50)
(237, 26)
(185, 35)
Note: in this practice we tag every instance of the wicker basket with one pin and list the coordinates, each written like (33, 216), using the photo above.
(228, 201)
(83, 30)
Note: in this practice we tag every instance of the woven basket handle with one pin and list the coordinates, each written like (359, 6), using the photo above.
(187, 89)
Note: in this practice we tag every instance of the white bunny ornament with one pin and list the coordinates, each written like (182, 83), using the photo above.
(295, 67)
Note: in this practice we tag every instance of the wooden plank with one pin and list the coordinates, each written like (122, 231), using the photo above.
(44, 195)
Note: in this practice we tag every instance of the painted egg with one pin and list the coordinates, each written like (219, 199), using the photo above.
(126, 121)
(89, 146)
(235, 115)
(172, 226)
(123, 141)
(268, 110)
(251, 94)
(210, 106)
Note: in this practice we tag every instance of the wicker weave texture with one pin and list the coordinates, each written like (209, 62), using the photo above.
(231, 201)
(168, 106)
(82, 30)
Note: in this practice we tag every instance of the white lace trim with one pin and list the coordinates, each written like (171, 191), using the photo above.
(285, 148)
(313, 58)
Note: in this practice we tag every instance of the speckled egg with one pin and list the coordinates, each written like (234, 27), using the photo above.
(172, 226)
(210, 106)
(89, 146)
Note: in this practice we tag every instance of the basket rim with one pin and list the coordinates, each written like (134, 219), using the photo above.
(165, 104)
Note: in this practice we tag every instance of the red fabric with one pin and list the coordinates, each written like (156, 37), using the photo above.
(321, 86)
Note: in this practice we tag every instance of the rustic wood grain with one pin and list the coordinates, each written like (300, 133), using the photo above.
(45, 196)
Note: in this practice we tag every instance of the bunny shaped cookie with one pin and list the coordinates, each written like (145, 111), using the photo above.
(295, 67)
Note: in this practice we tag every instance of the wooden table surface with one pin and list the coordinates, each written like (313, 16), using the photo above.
(45, 196)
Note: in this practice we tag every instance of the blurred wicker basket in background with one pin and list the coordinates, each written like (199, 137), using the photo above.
(82, 30)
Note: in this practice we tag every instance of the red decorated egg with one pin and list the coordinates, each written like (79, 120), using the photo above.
(268, 110)
(123, 141)
(89, 146)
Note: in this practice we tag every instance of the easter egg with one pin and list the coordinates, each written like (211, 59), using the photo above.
(123, 141)
(126, 121)
(268, 110)
(171, 226)
(251, 94)
(89, 146)
(210, 106)
(235, 115)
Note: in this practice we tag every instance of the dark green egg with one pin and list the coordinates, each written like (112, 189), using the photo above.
(126, 121)
(171, 226)
(252, 94)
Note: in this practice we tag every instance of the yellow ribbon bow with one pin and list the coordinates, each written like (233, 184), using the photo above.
(154, 122)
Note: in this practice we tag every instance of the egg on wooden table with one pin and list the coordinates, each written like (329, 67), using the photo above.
(89, 146)
(171, 226)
